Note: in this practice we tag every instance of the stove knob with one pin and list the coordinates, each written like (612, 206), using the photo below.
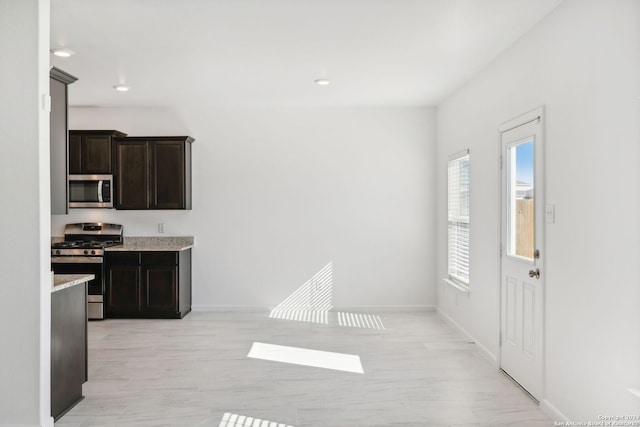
(93, 252)
(86, 252)
(58, 252)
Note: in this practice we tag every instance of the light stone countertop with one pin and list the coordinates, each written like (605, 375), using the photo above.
(144, 244)
(64, 281)
(149, 244)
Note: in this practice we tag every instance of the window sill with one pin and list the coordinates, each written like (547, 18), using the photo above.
(458, 286)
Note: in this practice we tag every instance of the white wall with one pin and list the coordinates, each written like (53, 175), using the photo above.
(280, 193)
(25, 278)
(582, 63)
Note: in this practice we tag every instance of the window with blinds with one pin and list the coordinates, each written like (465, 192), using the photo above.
(458, 218)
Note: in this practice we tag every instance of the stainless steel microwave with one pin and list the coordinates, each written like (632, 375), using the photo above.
(91, 191)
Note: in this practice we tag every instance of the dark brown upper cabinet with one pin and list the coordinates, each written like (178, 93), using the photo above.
(153, 172)
(91, 151)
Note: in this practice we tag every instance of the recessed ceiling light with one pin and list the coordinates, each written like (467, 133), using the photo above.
(62, 53)
(322, 82)
(122, 88)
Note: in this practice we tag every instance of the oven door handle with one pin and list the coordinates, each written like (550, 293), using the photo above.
(76, 260)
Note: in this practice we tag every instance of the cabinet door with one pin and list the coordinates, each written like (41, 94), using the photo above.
(68, 347)
(75, 153)
(89, 154)
(123, 290)
(132, 175)
(160, 289)
(95, 154)
(167, 180)
(58, 155)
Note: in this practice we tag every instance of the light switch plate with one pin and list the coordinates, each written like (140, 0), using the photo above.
(550, 214)
(46, 103)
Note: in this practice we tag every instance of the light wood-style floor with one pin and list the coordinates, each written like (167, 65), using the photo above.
(418, 371)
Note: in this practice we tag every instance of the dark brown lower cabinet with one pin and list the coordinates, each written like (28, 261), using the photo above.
(68, 348)
(148, 284)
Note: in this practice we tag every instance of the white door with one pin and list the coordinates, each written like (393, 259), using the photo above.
(522, 251)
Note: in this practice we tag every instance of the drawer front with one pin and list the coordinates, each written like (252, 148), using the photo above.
(123, 258)
(159, 258)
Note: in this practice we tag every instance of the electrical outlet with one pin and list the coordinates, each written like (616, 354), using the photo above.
(161, 227)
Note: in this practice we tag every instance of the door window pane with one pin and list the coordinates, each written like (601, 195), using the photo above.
(521, 194)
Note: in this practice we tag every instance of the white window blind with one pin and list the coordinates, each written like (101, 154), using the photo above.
(458, 217)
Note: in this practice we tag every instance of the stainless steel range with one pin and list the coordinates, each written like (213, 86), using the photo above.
(82, 252)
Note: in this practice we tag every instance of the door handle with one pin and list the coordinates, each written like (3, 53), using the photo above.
(534, 273)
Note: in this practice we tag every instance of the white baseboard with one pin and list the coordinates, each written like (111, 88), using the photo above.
(229, 308)
(553, 412)
(354, 309)
(47, 423)
(492, 358)
(384, 308)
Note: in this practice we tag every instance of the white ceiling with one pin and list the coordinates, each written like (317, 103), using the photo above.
(268, 52)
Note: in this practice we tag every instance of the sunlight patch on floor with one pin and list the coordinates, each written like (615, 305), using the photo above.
(341, 318)
(306, 357)
(235, 420)
(360, 320)
(311, 316)
(311, 301)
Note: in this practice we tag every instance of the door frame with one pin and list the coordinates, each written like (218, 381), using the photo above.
(528, 117)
